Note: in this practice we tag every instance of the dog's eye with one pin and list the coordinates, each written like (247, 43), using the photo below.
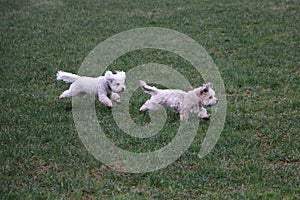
(118, 84)
(210, 97)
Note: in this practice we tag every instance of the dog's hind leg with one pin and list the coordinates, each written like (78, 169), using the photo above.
(71, 92)
(66, 94)
(149, 105)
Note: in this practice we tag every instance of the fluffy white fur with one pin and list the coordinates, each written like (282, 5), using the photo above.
(105, 87)
(183, 102)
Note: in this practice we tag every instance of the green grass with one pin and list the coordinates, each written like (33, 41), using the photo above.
(255, 44)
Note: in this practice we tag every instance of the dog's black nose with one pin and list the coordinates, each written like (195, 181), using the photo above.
(206, 118)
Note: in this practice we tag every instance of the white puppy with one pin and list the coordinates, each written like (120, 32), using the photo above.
(180, 101)
(105, 87)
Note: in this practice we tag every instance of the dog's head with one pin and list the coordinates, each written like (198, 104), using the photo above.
(206, 95)
(116, 81)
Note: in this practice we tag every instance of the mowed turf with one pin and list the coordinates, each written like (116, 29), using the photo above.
(255, 44)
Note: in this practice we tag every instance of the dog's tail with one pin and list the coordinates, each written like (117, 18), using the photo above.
(66, 76)
(148, 89)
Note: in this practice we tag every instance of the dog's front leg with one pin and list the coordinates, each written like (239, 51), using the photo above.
(184, 115)
(105, 100)
(203, 114)
(114, 96)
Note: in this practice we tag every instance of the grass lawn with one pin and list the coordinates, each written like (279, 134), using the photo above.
(255, 44)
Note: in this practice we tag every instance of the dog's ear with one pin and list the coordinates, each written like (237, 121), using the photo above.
(205, 87)
(210, 85)
(108, 73)
(109, 76)
(121, 74)
(204, 90)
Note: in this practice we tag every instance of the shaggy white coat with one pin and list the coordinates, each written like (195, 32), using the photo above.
(105, 87)
(183, 102)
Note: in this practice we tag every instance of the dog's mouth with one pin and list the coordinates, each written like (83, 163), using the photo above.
(215, 102)
(211, 104)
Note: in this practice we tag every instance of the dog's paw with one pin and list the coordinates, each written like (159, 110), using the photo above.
(118, 101)
(108, 104)
(143, 108)
(115, 97)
